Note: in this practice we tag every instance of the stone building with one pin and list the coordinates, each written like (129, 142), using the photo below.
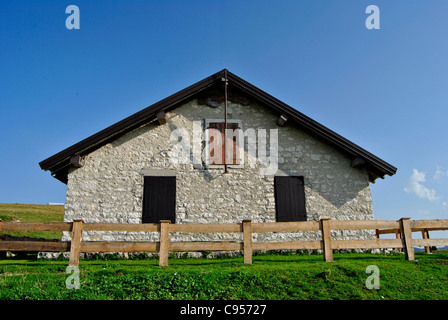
(172, 161)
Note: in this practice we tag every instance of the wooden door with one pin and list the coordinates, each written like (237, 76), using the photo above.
(159, 199)
(289, 198)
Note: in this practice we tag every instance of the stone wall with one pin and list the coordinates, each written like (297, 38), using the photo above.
(109, 187)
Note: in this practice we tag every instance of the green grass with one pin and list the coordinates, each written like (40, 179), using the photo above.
(32, 213)
(270, 277)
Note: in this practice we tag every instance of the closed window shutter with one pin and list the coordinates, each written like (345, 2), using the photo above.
(289, 198)
(217, 145)
(233, 152)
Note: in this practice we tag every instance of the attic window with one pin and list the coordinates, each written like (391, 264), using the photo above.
(215, 151)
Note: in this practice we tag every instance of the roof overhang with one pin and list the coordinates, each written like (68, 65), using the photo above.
(59, 163)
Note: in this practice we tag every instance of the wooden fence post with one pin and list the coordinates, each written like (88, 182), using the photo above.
(164, 242)
(425, 235)
(247, 241)
(326, 239)
(75, 245)
(405, 226)
(398, 236)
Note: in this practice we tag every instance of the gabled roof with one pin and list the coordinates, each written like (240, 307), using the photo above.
(59, 163)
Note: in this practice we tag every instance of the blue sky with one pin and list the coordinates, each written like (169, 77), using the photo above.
(385, 89)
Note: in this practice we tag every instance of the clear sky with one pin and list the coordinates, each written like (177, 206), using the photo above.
(385, 89)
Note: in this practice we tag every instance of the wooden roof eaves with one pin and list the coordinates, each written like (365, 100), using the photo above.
(313, 126)
(61, 160)
(125, 125)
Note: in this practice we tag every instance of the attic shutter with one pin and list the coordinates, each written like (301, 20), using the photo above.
(159, 199)
(289, 198)
(233, 156)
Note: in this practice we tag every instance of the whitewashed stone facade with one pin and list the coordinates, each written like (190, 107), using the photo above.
(109, 186)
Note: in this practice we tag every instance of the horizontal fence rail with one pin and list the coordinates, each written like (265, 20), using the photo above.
(402, 228)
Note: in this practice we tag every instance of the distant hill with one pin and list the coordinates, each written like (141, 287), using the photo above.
(418, 249)
(32, 213)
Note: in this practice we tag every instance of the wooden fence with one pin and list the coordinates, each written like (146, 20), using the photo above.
(403, 228)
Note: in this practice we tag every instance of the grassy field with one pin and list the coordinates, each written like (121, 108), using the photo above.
(271, 277)
(32, 213)
(292, 276)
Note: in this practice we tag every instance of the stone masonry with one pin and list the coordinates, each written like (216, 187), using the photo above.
(109, 187)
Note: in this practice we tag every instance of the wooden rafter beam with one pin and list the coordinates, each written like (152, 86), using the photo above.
(282, 120)
(161, 117)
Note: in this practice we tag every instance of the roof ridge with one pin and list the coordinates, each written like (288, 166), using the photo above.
(58, 163)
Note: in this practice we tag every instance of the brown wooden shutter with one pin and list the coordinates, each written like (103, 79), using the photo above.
(218, 146)
(233, 156)
(289, 198)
